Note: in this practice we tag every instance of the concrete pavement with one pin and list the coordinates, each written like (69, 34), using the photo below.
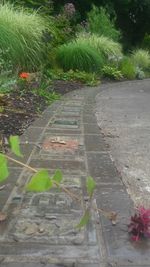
(123, 114)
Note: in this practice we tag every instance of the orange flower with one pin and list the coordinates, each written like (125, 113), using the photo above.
(24, 75)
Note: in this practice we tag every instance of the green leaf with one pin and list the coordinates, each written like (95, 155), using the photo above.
(90, 185)
(15, 145)
(57, 176)
(3, 168)
(40, 182)
(84, 220)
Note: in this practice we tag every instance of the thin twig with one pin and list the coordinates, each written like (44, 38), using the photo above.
(21, 163)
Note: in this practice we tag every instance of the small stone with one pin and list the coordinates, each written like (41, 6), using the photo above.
(50, 217)
(41, 230)
(31, 229)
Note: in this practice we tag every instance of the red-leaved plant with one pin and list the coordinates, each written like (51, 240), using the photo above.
(139, 226)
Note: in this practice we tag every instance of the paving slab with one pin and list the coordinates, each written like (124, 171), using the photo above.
(40, 229)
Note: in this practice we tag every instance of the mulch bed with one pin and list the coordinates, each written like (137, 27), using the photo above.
(19, 111)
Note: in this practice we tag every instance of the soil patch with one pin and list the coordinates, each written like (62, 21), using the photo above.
(18, 111)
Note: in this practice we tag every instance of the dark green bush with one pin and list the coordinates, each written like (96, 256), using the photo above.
(146, 42)
(78, 56)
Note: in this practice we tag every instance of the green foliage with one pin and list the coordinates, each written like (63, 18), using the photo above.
(78, 56)
(21, 35)
(44, 6)
(84, 220)
(64, 30)
(40, 182)
(140, 74)
(99, 22)
(46, 91)
(141, 58)
(7, 83)
(146, 42)
(106, 48)
(57, 176)
(112, 73)
(15, 145)
(89, 79)
(90, 185)
(3, 168)
(127, 68)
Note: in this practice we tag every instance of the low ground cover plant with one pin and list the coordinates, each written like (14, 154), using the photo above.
(112, 73)
(91, 79)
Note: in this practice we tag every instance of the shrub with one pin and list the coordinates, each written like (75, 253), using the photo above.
(141, 58)
(100, 23)
(146, 42)
(78, 56)
(128, 68)
(106, 47)
(112, 73)
(45, 6)
(21, 34)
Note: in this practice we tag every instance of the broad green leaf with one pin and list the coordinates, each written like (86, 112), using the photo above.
(90, 185)
(15, 145)
(40, 182)
(3, 168)
(84, 220)
(57, 176)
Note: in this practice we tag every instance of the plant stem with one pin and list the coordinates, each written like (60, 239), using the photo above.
(72, 195)
(21, 163)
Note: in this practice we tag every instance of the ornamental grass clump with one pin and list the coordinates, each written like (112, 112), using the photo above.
(78, 56)
(127, 68)
(141, 58)
(106, 47)
(21, 34)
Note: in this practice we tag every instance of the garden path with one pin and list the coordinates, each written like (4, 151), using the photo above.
(40, 229)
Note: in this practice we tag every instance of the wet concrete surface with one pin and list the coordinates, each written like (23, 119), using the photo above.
(123, 114)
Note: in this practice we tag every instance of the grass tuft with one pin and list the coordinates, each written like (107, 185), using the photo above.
(21, 36)
(141, 58)
(78, 56)
(106, 47)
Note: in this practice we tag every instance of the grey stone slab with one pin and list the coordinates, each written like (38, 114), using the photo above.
(94, 143)
(65, 123)
(42, 121)
(91, 129)
(8, 184)
(26, 150)
(32, 134)
(29, 264)
(89, 119)
(57, 131)
(53, 252)
(100, 165)
(72, 108)
(58, 164)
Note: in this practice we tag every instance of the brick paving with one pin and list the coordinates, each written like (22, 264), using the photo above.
(40, 227)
